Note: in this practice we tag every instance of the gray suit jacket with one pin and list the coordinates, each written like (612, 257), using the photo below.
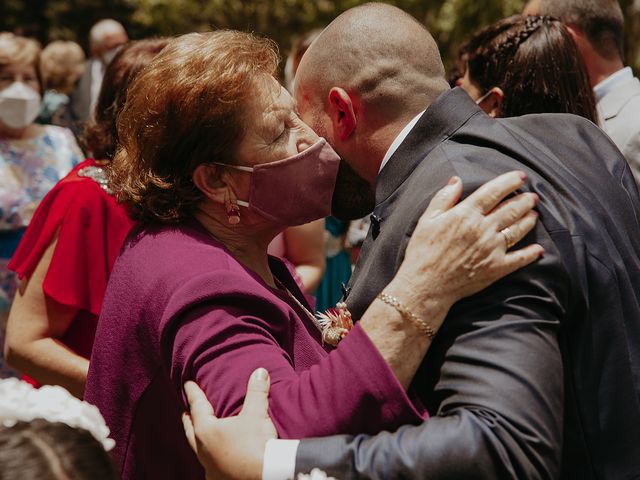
(619, 112)
(80, 98)
(538, 375)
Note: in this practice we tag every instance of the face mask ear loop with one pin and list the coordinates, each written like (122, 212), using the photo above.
(242, 168)
(484, 97)
(236, 202)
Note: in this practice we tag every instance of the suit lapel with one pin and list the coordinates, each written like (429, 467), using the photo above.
(614, 101)
(446, 115)
(443, 117)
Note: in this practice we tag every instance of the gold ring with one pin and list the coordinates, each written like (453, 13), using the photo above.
(509, 237)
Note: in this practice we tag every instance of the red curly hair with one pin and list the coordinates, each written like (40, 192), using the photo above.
(184, 109)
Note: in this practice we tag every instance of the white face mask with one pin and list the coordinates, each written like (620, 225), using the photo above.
(19, 105)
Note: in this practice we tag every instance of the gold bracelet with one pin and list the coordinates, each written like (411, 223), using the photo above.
(420, 324)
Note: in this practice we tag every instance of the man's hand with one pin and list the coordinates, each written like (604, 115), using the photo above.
(231, 448)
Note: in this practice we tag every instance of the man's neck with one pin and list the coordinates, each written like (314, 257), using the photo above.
(399, 139)
(599, 68)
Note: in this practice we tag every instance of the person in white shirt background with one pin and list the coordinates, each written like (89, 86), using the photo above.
(105, 39)
(597, 27)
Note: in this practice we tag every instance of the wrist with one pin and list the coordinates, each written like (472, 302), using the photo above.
(423, 327)
(425, 300)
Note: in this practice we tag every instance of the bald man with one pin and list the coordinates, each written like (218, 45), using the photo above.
(536, 376)
(105, 38)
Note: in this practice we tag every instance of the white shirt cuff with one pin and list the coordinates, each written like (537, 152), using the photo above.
(280, 460)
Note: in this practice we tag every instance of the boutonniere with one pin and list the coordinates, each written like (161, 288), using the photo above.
(335, 324)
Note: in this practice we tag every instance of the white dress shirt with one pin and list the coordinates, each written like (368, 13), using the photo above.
(611, 82)
(97, 72)
(399, 139)
(280, 455)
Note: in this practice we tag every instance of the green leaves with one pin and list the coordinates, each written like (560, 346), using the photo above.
(451, 21)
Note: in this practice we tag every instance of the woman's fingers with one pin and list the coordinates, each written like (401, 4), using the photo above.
(513, 209)
(521, 258)
(519, 229)
(445, 198)
(487, 197)
(256, 403)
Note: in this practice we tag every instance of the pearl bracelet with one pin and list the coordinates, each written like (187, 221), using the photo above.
(420, 324)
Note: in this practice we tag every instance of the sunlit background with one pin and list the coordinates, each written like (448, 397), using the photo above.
(451, 21)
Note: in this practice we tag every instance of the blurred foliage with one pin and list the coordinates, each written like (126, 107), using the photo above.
(451, 21)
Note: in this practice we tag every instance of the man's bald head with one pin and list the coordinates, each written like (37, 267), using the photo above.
(360, 82)
(380, 53)
(105, 35)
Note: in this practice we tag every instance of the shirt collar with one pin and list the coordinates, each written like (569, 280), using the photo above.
(611, 82)
(399, 139)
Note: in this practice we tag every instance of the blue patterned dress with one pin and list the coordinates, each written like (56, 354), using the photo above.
(29, 168)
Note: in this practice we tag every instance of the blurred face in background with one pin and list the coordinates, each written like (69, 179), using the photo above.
(20, 97)
(19, 72)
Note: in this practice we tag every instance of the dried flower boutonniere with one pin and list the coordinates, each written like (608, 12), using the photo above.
(335, 324)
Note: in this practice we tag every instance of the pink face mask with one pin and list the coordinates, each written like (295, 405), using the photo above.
(296, 190)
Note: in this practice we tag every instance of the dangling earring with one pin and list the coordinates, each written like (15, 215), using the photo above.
(233, 211)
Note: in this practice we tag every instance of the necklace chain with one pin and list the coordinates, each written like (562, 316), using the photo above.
(300, 304)
(333, 325)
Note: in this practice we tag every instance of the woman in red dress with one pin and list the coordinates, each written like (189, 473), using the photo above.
(66, 255)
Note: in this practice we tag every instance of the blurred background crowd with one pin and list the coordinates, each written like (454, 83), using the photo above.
(450, 21)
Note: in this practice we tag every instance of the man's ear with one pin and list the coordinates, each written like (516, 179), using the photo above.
(495, 102)
(575, 33)
(212, 181)
(342, 113)
(585, 47)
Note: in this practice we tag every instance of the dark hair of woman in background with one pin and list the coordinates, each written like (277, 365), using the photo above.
(522, 65)
(101, 133)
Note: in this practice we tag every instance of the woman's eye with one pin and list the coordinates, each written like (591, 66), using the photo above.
(283, 134)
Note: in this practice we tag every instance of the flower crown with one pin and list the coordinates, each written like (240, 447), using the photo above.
(316, 474)
(20, 402)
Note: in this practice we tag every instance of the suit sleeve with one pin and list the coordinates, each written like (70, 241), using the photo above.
(498, 388)
(631, 152)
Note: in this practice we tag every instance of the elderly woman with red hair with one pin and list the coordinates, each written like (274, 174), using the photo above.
(214, 162)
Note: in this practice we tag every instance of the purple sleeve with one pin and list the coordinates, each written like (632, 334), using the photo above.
(350, 390)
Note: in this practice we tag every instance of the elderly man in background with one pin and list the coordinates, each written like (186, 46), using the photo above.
(597, 27)
(105, 38)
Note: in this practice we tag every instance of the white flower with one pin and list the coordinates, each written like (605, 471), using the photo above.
(316, 474)
(20, 402)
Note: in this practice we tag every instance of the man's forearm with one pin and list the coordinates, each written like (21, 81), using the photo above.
(501, 416)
